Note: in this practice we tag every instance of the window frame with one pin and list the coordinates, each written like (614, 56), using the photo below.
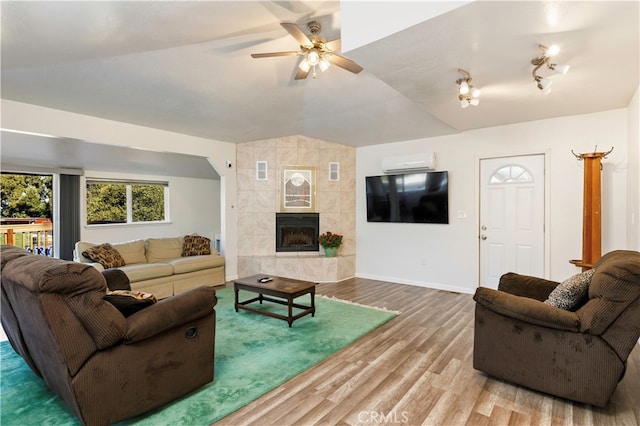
(500, 178)
(128, 183)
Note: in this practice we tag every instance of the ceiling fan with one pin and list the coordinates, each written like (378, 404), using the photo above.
(315, 50)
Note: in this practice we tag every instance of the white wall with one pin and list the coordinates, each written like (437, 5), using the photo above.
(396, 252)
(35, 119)
(633, 218)
(194, 207)
(446, 256)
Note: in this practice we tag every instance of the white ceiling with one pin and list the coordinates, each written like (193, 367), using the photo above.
(186, 67)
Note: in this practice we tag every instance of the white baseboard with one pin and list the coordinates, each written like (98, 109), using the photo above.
(435, 286)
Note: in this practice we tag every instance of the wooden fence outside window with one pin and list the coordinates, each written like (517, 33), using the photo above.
(33, 237)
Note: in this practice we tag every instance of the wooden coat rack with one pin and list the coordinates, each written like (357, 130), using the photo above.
(591, 203)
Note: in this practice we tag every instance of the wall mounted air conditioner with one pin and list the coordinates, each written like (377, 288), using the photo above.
(409, 163)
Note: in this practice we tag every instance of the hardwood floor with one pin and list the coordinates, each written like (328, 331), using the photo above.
(417, 369)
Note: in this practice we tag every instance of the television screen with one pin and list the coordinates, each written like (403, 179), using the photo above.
(411, 198)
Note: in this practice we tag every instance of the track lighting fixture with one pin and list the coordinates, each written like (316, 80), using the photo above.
(467, 94)
(544, 84)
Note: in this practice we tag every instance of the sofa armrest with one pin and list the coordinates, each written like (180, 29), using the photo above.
(169, 313)
(526, 309)
(526, 286)
(116, 279)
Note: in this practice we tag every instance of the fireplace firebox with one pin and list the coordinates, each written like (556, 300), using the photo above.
(297, 232)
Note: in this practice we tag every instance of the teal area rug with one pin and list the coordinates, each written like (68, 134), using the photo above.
(253, 355)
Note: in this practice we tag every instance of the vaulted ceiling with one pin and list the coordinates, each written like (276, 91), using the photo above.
(186, 67)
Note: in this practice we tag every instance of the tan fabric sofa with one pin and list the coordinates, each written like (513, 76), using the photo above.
(156, 265)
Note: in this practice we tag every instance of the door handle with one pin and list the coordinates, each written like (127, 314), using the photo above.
(483, 237)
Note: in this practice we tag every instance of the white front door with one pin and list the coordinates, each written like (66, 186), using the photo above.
(511, 217)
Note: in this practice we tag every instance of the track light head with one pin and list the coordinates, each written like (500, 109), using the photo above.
(562, 69)
(464, 88)
(551, 51)
(467, 94)
(544, 84)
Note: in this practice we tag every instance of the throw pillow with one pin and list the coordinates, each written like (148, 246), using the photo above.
(116, 279)
(195, 245)
(104, 254)
(570, 293)
(129, 302)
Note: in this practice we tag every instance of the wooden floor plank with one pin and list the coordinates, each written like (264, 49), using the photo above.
(417, 369)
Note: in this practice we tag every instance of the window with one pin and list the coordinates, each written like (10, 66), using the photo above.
(512, 173)
(113, 201)
(26, 211)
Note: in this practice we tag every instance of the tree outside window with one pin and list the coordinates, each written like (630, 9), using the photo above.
(110, 202)
(26, 196)
(26, 210)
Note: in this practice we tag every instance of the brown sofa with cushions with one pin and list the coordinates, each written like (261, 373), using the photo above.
(578, 355)
(106, 367)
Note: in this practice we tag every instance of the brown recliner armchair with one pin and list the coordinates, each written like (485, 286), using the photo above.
(578, 355)
(105, 366)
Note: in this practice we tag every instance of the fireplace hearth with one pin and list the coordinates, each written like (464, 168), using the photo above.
(297, 232)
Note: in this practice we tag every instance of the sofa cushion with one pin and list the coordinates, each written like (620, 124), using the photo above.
(129, 302)
(131, 251)
(162, 249)
(572, 292)
(104, 254)
(195, 245)
(147, 271)
(183, 265)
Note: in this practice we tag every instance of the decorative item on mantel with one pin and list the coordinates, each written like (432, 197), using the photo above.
(330, 243)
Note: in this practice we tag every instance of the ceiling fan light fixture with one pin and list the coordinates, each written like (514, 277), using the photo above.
(316, 52)
(304, 65)
(324, 64)
(464, 102)
(474, 101)
(475, 92)
(313, 57)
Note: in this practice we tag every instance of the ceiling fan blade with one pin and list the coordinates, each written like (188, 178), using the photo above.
(297, 33)
(302, 74)
(334, 45)
(272, 54)
(343, 62)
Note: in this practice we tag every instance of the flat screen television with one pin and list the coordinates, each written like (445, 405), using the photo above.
(409, 198)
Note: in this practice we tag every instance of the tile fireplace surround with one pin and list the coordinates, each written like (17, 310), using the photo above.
(259, 200)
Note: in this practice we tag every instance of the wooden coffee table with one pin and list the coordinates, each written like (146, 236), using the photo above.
(282, 291)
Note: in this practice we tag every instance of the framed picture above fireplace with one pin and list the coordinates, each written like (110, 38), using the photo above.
(298, 189)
